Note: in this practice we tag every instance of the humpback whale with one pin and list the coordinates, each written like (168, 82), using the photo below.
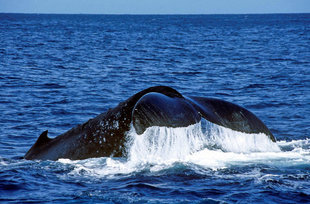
(105, 135)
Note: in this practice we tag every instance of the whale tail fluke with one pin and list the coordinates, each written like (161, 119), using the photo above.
(230, 115)
(156, 109)
(162, 106)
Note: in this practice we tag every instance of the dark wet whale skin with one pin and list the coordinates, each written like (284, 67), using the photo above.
(105, 135)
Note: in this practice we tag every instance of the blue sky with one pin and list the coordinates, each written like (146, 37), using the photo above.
(155, 6)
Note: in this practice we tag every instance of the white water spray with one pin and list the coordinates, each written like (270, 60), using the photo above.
(204, 144)
(165, 144)
(238, 142)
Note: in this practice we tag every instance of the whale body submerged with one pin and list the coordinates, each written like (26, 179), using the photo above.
(105, 135)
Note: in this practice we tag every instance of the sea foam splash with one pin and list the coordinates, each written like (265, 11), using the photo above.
(204, 144)
(165, 144)
(229, 140)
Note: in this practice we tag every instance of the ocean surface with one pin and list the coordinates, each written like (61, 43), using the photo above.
(58, 71)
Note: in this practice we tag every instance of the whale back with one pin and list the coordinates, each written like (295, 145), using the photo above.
(98, 137)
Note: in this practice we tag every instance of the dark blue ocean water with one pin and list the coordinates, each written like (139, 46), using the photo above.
(57, 71)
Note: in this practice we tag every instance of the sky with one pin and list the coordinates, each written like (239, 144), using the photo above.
(154, 6)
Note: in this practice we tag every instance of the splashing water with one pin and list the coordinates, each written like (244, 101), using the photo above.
(204, 144)
(165, 144)
(233, 141)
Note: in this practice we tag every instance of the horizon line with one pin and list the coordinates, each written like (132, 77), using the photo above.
(153, 14)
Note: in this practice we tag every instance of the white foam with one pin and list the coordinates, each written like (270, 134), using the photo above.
(99, 167)
(2, 162)
(165, 144)
(295, 145)
(233, 141)
(217, 159)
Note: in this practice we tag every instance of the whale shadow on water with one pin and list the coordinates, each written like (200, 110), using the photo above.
(105, 135)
